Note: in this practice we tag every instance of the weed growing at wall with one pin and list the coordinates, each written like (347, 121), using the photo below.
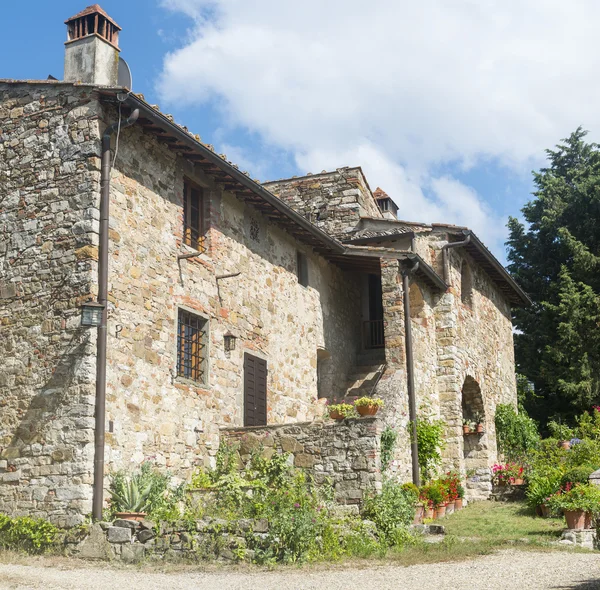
(431, 443)
(26, 534)
(388, 443)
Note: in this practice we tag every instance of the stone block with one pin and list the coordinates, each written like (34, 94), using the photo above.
(145, 535)
(117, 534)
(133, 553)
(95, 546)
(126, 523)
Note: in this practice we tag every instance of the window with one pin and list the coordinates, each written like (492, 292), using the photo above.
(302, 269)
(466, 285)
(191, 346)
(193, 216)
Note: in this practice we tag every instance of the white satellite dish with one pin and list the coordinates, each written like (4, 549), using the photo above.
(124, 74)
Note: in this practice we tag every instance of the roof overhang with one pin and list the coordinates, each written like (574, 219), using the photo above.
(507, 285)
(224, 173)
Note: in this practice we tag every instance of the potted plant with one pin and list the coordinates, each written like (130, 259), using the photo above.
(578, 502)
(430, 497)
(466, 426)
(340, 411)
(128, 499)
(562, 432)
(458, 502)
(509, 474)
(368, 406)
(455, 491)
(479, 422)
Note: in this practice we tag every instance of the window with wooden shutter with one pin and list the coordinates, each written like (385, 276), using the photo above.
(193, 216)
(255, 391)
(191, 346)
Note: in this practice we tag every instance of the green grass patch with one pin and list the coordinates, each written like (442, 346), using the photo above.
(502, 523)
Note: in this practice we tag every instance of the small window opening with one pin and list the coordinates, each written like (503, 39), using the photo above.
(191, 346)
(466, 285)
(302, 269)
(193, 216)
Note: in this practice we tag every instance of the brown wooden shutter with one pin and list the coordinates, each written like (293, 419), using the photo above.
(255, 391)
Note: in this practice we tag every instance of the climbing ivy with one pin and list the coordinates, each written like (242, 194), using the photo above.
(388, 443)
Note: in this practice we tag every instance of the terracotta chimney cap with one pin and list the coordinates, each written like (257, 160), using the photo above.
(93, 9)
(380, 194)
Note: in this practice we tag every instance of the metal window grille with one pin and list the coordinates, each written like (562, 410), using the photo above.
(193, 218)
(191, 342)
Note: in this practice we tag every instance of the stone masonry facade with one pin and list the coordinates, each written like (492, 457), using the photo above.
(304, 275)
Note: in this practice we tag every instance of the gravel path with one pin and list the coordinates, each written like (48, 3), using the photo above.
(510, 569)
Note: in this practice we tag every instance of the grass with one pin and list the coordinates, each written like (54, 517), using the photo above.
(503, 523)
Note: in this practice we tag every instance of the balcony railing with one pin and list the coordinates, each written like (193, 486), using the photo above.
(373, 336)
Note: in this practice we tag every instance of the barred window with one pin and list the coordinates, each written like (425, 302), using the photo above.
(191, 346)
(193, 216)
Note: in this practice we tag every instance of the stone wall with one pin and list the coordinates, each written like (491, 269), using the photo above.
(333, 201)
(346, 453)
(175, 422)
(49, 178)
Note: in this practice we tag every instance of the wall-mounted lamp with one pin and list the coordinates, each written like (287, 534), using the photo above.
(229, 339)
(91, 314)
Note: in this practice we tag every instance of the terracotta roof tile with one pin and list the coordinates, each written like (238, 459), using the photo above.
(380, 194)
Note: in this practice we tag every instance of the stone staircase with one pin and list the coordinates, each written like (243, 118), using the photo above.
(363, 380)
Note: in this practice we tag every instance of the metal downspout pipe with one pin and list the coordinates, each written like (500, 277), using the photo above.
(445, 248)
(98, 497)
(410, 372)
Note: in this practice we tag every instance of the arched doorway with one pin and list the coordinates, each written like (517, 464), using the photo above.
(475, 445)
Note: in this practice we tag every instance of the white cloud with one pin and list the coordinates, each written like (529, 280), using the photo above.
(397, 86)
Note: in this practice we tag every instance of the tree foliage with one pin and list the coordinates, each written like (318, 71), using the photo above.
(556, 259)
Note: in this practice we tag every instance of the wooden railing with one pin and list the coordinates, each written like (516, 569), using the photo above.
(373, 336)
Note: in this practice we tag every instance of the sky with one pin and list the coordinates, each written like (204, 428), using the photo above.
(448, 105)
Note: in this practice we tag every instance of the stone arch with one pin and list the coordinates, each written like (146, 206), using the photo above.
(472, 399)
(466, 284)
(415, 298)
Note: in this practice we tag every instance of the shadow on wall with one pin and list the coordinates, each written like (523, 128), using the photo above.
(43, 412)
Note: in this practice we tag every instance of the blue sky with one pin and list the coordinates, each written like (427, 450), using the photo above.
(447, 104)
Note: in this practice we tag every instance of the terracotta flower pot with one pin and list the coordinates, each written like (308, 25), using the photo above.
(367, 410)
(466, 429)
(458, 504)
(137, 516)
(419, 513)
(428, 512)
(336, 415)
(479, 428)
(564, 444)
(545, 510)
(450, 508)
(518, 481)
(578, 519)
(440, 511)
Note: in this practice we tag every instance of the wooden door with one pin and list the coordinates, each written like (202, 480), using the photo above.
(255, 391)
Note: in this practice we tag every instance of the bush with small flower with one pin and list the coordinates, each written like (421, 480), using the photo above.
(507, 474)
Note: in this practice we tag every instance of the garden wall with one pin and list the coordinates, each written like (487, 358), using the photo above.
(347, 453)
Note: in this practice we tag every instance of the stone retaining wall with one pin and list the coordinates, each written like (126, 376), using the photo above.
(347, 453)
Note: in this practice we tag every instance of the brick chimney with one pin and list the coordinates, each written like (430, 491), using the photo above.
(92, 48)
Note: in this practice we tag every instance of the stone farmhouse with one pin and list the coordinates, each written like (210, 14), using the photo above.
(227, 307)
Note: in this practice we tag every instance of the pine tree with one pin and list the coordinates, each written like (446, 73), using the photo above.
(556, 259)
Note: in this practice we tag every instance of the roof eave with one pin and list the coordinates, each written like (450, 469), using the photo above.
(161, 121)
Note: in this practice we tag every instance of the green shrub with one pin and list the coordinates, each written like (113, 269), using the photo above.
(431, 443)
(579, 474)
(560, 431)
(541, 487)
(580, 497)
(516, 433)
(586, 452)
(392, 509)
(588, 425)
(26, 534)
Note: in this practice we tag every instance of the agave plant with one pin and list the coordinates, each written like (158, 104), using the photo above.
(127, 495)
